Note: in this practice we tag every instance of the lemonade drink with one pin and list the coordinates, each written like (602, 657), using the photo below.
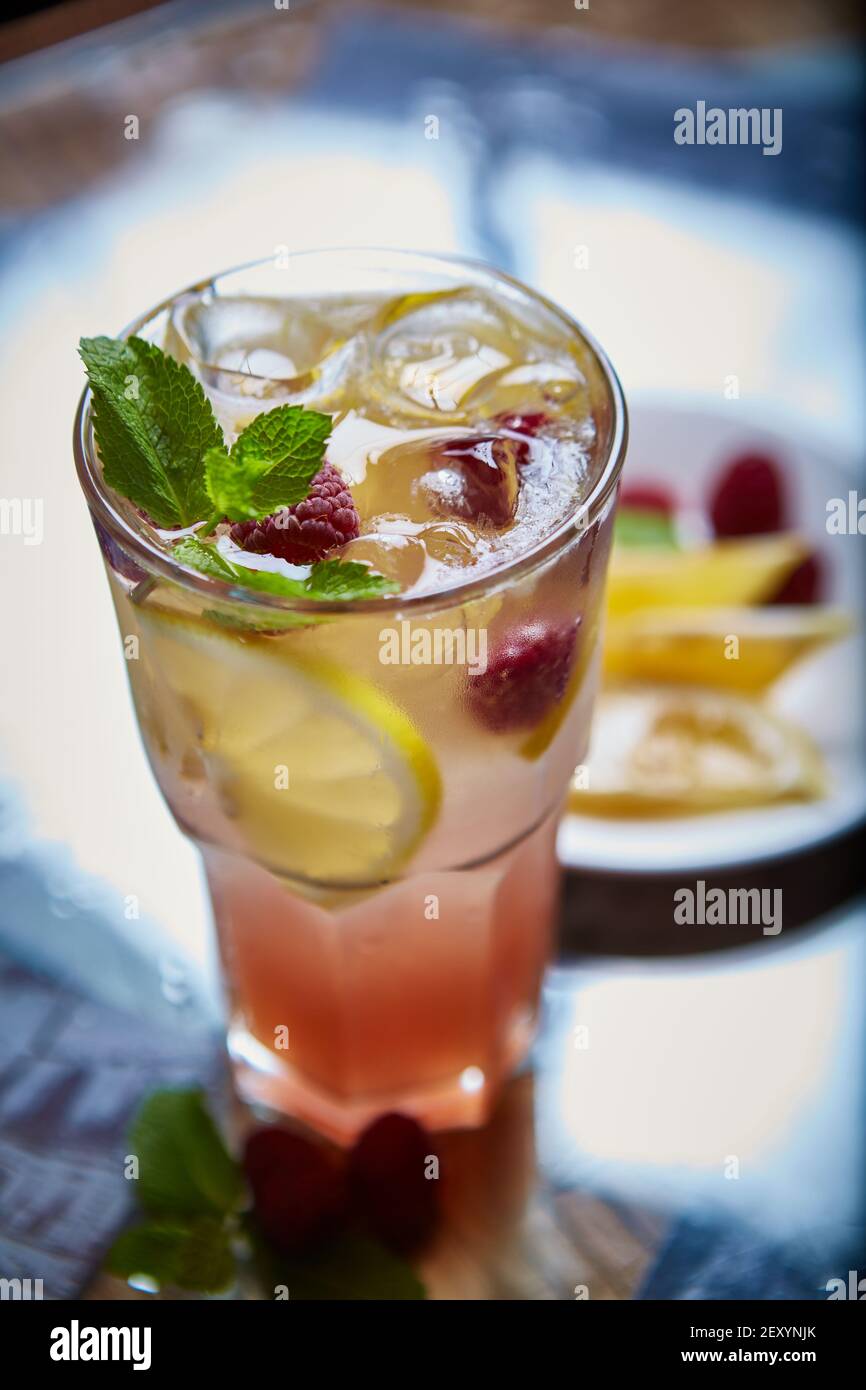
(374, 782)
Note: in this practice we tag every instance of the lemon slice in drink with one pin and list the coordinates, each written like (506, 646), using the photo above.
(730, 648)
(669, 752)
(324, 776)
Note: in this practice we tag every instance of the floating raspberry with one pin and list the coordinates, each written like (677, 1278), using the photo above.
(476, 478)
(747, 499)
(804, 584)
(299, 1194)
(387, 1178)
(647, 497)
(526, 675)
(304, 533)
(529, 422)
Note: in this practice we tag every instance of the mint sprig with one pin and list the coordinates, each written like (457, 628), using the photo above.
(192, 1191)
(153, 425)
(337, 580)
(271, 464)
(162, 447)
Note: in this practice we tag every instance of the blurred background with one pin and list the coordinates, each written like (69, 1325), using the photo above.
(257, 126)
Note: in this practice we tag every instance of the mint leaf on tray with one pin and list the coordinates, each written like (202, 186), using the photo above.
(183, 1164)
(194, 1254)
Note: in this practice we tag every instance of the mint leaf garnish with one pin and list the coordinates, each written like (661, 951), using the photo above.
(194, 1254)
(153, 425)
(643, 526)
(328, 579)
(347, 579)
(184, 1167)
(271, 463)
(204, 558)
(228, 487)
(161, 446)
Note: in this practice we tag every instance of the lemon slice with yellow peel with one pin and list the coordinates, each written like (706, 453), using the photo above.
(666, 752)
(730, 648)
(324, 776)
(726, 573)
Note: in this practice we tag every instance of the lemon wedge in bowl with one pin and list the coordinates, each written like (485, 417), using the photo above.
(660, 751)
(742, 649)
(727, 572)
(323, 776)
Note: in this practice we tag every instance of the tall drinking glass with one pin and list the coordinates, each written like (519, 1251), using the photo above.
(374, 785)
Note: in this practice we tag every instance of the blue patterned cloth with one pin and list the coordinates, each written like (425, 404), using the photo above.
(703, 1259)
(91, 1020)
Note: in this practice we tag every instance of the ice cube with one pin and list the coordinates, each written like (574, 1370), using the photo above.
(276, 351)
(399, 557)
(220, 331)
(553, 386)
(432, 350)
(389, 487)
(449, 543)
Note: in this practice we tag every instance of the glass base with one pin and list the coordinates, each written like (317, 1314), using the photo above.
(464, 1101)
(342, 1012)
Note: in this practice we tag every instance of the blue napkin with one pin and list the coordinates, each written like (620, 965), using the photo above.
(705, 1258)
(91, 1020)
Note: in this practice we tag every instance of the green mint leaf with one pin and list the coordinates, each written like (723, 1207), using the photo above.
(230, 487)
(204, 558)
(207, 559)
(271, 463)
(185, 1254)
(276, 623)
(328, 579)
(350, 1268)
(153, 425)
(642, 526)
(184, 1168)
(347, 579)
(265, 582)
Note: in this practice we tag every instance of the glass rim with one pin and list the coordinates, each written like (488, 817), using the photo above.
(158, 562)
